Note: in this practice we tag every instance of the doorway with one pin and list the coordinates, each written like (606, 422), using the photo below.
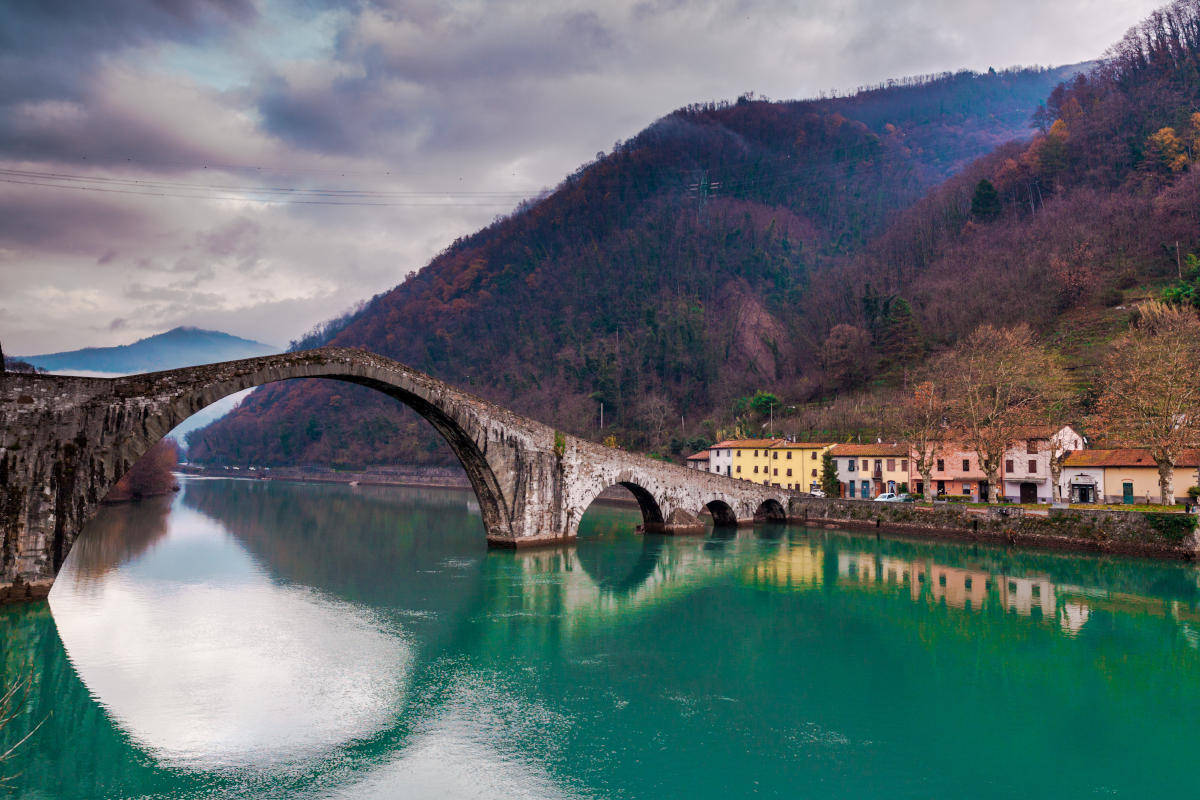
(1029, 492)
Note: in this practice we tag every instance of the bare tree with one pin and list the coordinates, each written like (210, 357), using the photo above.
(1151, 390)
(12, 702)
(999, 381)
(922, 423)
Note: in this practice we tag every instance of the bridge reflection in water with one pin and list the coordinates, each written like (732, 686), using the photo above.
(236, 626)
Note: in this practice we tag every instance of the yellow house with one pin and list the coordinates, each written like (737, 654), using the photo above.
(796, 465)
(1126, 475)
(751, 458)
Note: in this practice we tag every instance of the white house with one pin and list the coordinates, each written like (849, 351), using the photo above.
(720, 458)
(698, 461)
(1026, 468)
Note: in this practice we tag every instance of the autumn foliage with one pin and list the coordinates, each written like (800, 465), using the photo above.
(150, 475)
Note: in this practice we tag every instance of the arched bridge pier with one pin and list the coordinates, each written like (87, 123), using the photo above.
(65, 441)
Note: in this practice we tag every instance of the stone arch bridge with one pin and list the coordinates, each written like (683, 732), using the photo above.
(64, 442)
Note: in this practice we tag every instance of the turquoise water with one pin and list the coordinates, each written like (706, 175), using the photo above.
(262, 639)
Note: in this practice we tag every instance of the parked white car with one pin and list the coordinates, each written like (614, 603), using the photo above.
(817, 492)
(888, 497)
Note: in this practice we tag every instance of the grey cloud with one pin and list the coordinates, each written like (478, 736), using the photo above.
(73, 223)
(47, 45)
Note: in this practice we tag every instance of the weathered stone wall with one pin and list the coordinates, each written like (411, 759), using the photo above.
(1127, 532)
(65, 441)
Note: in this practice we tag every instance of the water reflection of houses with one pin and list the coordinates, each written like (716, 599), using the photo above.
(957, 587)
(804, 566)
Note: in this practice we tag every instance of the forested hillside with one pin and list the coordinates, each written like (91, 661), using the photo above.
(808, 248)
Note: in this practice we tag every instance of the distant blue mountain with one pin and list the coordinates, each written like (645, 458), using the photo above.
(178, 347)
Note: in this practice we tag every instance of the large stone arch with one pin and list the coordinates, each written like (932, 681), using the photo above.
(458, 425)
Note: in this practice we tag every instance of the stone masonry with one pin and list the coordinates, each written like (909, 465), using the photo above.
(65, 441)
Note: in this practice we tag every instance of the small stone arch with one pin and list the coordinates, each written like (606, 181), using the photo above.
(653, 518)
(770, 510)
(722, 513)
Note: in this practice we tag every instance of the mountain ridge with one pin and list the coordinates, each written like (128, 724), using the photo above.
(662, 280)
(181, 346)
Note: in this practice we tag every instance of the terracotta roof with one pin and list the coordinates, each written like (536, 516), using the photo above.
(743, 443)
(784, 445)
(870, 450)
(701, 456)
(1124, 457)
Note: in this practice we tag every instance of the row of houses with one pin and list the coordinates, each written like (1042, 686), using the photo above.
(868, 470)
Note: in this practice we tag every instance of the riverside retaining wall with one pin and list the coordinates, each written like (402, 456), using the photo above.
(1125, 532)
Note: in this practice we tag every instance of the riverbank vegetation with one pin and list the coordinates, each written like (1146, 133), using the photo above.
(152, 474)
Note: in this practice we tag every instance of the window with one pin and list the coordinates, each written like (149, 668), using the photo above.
(756, 454)
(1012, 587)
(891, 465)
(850, 465)
(776, 472)
(1032, 465)
(789, 472)
(739, 469)
(966, 465)
(966, 488)
(814, 473)
(941, 465)
(967, 584)
(813, 455)
(789, 454)
(1008, 465)
(942, 579)
(1031, 447)
(904, 465)
(775, 456)
(755, 469)
(1037, 591)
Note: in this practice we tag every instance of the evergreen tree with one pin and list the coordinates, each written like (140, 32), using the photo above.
(829, 478)
(900, 337)
(985, 205)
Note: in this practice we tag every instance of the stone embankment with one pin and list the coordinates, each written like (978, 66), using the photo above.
(1124, 532)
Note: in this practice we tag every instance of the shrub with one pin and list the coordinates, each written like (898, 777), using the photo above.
(151, 475)
(1112, 296)
(1174, 528)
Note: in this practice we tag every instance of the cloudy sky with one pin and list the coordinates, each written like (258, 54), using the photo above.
(257, 166)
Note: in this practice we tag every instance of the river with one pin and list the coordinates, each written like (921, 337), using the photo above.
(273, 640)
